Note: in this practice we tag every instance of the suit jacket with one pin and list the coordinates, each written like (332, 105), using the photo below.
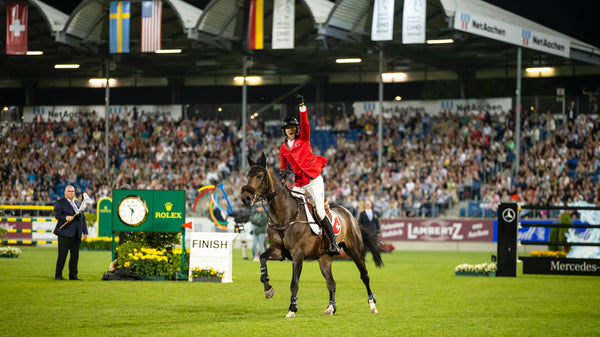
(304, 162)
(77, 227)
(363, 220)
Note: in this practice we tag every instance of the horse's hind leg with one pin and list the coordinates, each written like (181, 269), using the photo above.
(325, 264)
(272, 253)
(364, 276)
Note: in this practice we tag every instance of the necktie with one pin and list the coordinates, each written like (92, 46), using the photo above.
(73, 205)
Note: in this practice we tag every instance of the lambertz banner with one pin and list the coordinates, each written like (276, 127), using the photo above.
(439, 230)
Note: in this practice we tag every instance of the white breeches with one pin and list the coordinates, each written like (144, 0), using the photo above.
(316, 189)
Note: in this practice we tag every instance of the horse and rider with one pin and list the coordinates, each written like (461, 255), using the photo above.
(296, 152)
(289, 232)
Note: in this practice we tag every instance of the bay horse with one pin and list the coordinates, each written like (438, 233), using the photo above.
(292, 238)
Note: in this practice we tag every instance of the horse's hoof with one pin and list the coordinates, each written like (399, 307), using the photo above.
(329, 311)
(290, 314)
(373, 308)
(269, 293)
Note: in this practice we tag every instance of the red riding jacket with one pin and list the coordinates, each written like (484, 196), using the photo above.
(304, 162)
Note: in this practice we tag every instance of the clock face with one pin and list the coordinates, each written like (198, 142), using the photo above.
(132, 210)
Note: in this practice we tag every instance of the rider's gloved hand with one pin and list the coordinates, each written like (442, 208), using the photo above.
(283, 173)
(299, 99)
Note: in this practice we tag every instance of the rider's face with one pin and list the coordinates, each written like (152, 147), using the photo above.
(290, 131)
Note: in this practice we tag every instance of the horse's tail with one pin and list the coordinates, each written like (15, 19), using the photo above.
(373, 244)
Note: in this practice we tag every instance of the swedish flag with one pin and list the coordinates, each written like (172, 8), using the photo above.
(120, 14)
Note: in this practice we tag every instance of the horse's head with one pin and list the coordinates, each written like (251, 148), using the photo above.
(258, 182)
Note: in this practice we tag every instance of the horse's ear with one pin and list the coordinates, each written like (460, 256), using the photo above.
(263, 160)
(250, 161)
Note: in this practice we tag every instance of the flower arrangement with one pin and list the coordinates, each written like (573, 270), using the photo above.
(148, 262)
(9, 251)
(482, 268)
(207, 272)
(551, 253)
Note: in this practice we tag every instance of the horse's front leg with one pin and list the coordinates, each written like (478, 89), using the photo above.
(272, 253)
(325, 265)
(297, 261)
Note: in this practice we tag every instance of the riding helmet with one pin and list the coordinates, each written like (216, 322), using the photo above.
(290, 121)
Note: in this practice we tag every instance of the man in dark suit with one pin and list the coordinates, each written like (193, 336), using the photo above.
(70, 235)
(571, 112)
(368, 218)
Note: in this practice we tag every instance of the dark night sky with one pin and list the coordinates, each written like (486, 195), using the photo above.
(577, 18)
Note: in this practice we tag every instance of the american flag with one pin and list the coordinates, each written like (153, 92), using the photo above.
(151, 25)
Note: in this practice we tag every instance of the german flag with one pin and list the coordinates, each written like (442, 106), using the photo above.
(255, 24)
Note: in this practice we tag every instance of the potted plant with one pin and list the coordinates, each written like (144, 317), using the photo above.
(482, 269)
(206, 274)
(9, 251)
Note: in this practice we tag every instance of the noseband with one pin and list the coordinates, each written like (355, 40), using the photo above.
(254, 170)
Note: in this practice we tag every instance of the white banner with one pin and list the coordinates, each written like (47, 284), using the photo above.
(505, 32)
(210, 249)
(382, 27)
(283, 24)
(413, 21)
(96, 112)
(434, 107)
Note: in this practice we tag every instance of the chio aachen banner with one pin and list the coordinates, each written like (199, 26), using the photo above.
(434, 107)
(94, 112)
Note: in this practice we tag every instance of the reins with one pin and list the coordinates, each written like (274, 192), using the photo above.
(270, 196)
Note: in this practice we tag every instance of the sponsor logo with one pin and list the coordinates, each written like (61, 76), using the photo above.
(576, 266)
(214, 203)
(509, 215)
(168, 214)
(526, 34)
(465, 19)
(493, 29)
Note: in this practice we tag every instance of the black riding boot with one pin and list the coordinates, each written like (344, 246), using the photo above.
(326, 225)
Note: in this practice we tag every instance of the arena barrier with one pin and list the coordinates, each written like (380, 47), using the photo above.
(28, 230)
(30, 242)
(508, 225)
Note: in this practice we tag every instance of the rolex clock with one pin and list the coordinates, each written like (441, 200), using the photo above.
(132, 210)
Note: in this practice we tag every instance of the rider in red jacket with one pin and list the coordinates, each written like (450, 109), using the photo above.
(296, 152)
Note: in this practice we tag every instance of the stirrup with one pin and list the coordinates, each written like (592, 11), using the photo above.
(334, 250)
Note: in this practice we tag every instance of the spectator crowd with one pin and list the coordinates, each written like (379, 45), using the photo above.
(430, 162)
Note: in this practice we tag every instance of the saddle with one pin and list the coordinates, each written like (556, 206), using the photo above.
(311, 215)
(310, 204)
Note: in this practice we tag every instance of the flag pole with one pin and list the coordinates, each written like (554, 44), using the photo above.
(107, 113)
(244, 110)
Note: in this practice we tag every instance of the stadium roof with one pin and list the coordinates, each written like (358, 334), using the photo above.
(211, 35)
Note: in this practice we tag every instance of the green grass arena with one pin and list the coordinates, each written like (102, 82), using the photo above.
(417, 295)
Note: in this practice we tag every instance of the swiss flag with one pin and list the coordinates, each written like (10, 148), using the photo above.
(16, 28)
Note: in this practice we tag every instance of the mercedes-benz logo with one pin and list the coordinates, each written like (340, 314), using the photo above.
(508, 215)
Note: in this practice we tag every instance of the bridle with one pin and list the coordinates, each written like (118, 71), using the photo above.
(269, 196)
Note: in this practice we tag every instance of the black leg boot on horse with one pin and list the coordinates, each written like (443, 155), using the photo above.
(328, 228)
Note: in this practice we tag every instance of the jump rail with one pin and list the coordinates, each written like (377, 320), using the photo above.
(508, 224)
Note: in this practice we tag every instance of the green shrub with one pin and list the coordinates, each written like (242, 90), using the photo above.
(90, 219)
(151, 253)
(558, 234)
(99, 243)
